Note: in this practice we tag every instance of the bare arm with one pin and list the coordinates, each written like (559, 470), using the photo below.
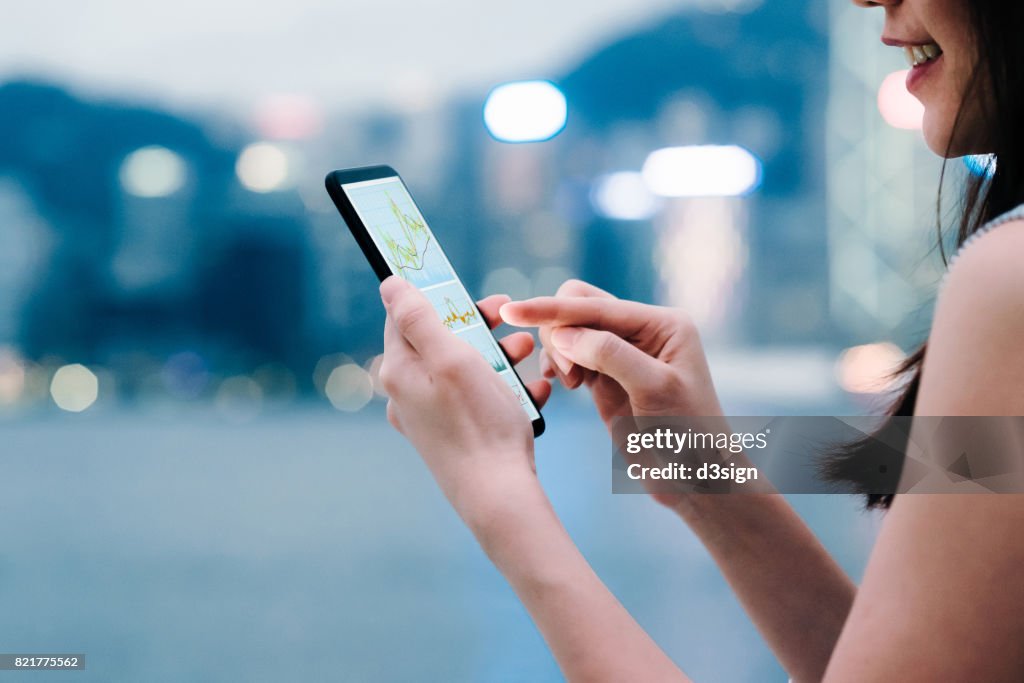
(478, 444)
(942, 596)
(641, 360)
(590, 633)
(797, 596)
(792, 589)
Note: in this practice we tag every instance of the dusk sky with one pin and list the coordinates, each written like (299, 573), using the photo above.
(344, 54)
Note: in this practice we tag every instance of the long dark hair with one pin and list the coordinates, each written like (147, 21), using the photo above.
(997, 85)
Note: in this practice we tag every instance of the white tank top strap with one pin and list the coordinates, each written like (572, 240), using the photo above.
(1011, 215)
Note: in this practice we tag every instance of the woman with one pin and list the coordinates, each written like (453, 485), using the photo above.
(941, 599)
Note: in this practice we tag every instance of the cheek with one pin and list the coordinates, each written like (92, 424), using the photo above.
(938, 125)
(940, 114)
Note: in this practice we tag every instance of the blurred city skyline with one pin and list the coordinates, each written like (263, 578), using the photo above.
(198, 244)
(191, 418)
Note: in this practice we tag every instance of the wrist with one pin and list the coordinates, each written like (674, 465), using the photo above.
(497, 503)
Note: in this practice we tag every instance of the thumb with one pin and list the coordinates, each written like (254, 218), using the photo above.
(414, 317)
(647, 380)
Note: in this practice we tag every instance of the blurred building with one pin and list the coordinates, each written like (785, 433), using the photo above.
(752, 269)
(138, 233)
(148, 248)
(882, 183)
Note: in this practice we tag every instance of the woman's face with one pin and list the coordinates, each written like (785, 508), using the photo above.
(935, 36)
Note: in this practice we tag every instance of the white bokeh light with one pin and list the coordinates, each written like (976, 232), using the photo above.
(525, 111)
(152, 171)
(239, 398)
(702, 171)
(263, 167)
(623, 196)
(74, 388)
(349, 388)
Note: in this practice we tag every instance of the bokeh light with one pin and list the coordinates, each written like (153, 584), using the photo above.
(511, 281)
(263, 167)
(865, 369)
(277, 383)
(349, 388)
(74, 388)
(701, 254)
(12, 377)
(325, 366)
(702, 171)
(623, 196)
(239, 398)
(152, 171)
(373, 368)
(548, 279)
(185, 375)
(289, 117)
(899, 108)
(525, 111)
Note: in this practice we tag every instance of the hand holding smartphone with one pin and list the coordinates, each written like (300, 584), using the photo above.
(396, 240)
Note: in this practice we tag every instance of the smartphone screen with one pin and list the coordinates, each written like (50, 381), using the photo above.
(410, 250)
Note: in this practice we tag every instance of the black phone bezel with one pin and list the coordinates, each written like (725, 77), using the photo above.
(334, 182)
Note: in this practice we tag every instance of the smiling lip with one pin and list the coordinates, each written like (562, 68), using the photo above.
(900, 42)
(920, 72)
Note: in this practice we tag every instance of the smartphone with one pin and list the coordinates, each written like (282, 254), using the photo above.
(396, 240)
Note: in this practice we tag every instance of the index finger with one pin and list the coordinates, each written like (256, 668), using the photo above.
(490, 307)
(624, 318)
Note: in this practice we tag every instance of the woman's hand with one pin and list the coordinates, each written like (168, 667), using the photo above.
(636, 359)
(448, 401)
(647, 360)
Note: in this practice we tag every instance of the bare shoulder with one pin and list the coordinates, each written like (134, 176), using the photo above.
(994, 263)
(975, 361)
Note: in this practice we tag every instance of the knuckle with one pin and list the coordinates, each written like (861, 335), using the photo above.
(662, 390)
(544, 332)
(387, 378)
(571, 287)
(450, 366)
(407, 315)
(607, 345)
(392, 413)
(684, 322)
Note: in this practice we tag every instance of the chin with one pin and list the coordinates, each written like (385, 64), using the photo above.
(936, 131)
(937, 127)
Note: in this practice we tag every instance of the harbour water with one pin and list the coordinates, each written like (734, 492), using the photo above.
(308, 545)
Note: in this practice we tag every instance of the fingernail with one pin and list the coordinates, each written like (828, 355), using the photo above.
(564, 337)
(545, 365)
(563, 363)
(505, 309)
